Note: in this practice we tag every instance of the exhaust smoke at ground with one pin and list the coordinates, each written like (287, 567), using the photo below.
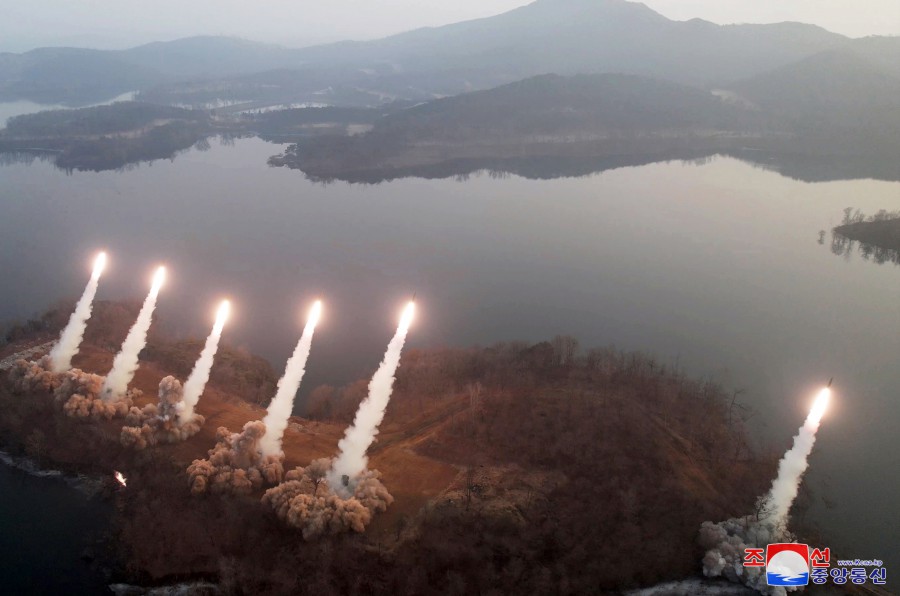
(154, 424)
(279, 411)
(126, 361)
(306, 501)
(236, 464)
(76, 391)
(71, 336)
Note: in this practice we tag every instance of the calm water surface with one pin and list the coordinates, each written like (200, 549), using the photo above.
(48, 531)
(714, 266)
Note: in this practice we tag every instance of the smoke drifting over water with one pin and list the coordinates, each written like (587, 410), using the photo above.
(62, 353)
(196, 381)
(126, 361)
(352, 459)
(282, 405)
(236, 464)
(726, 541)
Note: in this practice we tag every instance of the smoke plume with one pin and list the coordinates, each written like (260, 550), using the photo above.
(126, 361)
(282, 405)
(160, 423)
(236, 464)
(28, 376)
(726, 541)
(62, 353)
(793, 465)
(196, 381)
(305, 501)
(352, 459)
(77, 392)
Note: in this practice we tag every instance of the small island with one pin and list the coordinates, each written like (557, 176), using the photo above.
(877, 235)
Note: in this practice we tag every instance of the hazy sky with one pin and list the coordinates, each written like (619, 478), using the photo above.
(122, 23)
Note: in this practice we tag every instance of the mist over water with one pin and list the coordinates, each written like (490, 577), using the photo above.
(715, 266)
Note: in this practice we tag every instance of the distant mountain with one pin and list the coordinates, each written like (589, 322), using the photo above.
(558, 106)
(585, 36)
(70, 75)
(836, 89)
(78, 76)
(206, 57)
(547, 36)
(883, 52)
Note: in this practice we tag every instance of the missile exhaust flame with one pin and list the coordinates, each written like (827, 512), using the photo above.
(70, 338)
(120, 478)
(352, 459)
(126, 361)
(196, 382)
(279, 411)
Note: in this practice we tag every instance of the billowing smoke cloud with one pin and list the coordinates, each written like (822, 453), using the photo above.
(352, 459)
(196, 382)
(62, 353)
(126, 361)
(305, 501)
(726, 541)
(28, 377)
(282, 405)
(77, 392)
(236, 464)
(160, 423)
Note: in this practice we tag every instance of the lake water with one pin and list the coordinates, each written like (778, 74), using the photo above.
(49, 527)
(714, 266)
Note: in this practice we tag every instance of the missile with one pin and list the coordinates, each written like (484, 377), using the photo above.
(829, 382)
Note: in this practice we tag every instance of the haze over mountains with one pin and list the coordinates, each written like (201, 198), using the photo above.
(547, 36)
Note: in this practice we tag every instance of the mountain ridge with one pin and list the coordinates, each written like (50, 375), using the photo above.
(569, 37)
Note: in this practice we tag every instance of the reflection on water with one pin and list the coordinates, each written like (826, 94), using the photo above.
(706, 263)
(845, 247)
(804, 168)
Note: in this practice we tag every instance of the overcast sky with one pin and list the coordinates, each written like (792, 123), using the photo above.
(25, 24)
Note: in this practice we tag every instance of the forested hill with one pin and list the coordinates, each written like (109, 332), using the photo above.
(554, 105)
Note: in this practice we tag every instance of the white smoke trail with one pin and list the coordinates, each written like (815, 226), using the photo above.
(62, 353)
(282, 405)
(352, 460)
(794, 463)
(196, 382)
(126, 361)
(725, 542)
